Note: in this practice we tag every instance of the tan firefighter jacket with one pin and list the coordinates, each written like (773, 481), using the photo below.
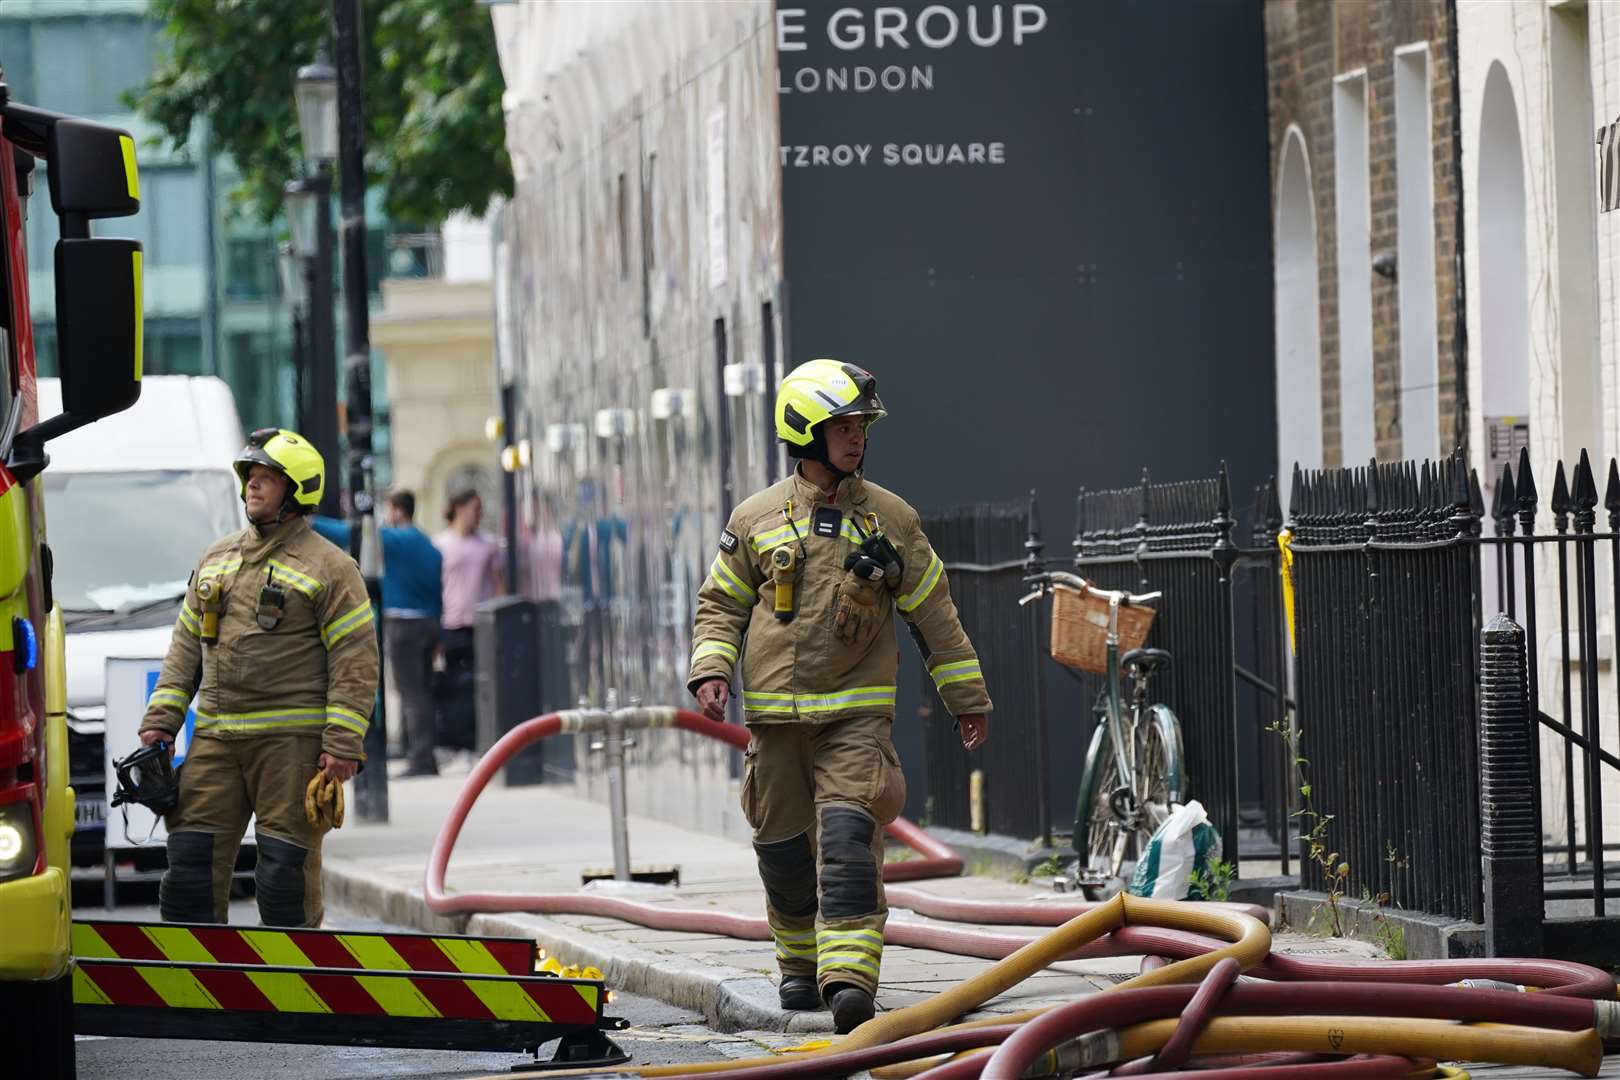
(801, 670)
(307, 663)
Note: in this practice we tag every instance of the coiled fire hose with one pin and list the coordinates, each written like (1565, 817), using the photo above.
(1347, 1017)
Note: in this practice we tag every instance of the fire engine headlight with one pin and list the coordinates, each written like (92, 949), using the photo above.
(17, 849)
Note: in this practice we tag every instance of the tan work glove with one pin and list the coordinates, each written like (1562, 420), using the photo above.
(323, 802)
(858, 611)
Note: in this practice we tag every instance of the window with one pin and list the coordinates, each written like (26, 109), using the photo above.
(1352, 214)
(728, 469)
(1414, 227)
(17, 49)
(1580, 386)
(178, 216)
(43, 228)
(649, 245)
(767, 330)
(250, 268)
(173, 347)
(92, 62)
(624, 231)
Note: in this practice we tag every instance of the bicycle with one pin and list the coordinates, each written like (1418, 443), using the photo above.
(1133, 776)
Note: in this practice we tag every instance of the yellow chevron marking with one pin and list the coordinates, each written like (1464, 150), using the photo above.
(91, 945)
(507, 1001)
(470, 957)
(589, 993)
(288, 992)
(373, 952)
(178, 944)
(178, 988)
(85, 990)
(276, 948)
(398, 997)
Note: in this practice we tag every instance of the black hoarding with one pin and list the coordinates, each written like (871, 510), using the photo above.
(1044, 226)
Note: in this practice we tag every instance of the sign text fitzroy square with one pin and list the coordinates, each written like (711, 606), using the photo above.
(894, 50)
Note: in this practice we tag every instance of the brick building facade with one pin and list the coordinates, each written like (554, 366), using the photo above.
(1350, 87)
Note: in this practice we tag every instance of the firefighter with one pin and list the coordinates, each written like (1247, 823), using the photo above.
(810, 572)
(276, 648)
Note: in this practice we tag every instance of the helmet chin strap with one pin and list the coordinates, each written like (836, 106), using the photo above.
(817, 452)
(281, 511)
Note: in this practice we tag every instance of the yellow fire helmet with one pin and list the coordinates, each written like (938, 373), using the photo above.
(819, 390)
(290, 454)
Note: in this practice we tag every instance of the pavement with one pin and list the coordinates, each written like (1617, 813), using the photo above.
(539, 839)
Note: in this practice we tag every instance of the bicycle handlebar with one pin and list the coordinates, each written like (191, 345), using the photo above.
(1046, 581)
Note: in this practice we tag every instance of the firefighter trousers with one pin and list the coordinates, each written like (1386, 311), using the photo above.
(224, 782)
(817, 797)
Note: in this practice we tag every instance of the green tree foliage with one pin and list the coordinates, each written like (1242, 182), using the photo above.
(435, 135)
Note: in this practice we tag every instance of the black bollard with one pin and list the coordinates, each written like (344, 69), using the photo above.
(1510, 829)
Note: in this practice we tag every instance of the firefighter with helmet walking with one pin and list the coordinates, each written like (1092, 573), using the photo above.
(276, 649)
(802, 593)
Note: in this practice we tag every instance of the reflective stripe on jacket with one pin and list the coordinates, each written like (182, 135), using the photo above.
(799, 670)
(315, 669)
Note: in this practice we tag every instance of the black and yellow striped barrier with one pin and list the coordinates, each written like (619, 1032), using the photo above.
(420, 991)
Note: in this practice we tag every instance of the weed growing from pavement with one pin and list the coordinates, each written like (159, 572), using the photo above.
(1217, 883)
(1051, 866)
(1330, 918)
(1314, 834)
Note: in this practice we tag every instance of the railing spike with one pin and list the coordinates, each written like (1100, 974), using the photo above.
(1079, 542)
(1508, 497)
(1560, 492)
(1525, 485)
(1611, 496)
(1034, 549)
(1585, 483)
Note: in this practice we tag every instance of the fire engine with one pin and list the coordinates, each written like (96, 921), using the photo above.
(89, 174)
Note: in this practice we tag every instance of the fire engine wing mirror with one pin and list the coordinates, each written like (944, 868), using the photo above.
(98, 328)
(91, 167)
(98, 325)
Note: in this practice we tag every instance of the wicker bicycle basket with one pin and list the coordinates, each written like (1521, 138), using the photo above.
(1080, 629)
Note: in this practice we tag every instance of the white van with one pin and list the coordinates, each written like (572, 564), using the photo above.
(132, 501)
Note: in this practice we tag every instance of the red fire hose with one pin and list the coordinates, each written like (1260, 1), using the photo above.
(1359, 988)
(1102, 1011)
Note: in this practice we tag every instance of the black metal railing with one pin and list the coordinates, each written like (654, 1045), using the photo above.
(982, 547)
(1178, 538)
(1547, 581)
(1386, 578)
(1225, 687)
(1395, 573)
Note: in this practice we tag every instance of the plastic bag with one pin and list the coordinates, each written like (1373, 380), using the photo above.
(1184, 843)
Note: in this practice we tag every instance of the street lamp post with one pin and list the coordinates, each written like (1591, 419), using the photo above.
(309, 220)
(294, 274)
(334, 104)
(329, 120)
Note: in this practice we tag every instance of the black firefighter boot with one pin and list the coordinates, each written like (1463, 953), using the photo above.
(799, 992)
(851, 1007)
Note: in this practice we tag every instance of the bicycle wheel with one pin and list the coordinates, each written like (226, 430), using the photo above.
(1096, 832)
(1164, 771)
(1101, 840)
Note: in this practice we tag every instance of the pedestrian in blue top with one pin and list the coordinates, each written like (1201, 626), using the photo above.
(411, 598)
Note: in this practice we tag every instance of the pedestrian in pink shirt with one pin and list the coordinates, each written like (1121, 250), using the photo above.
(472, 574)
